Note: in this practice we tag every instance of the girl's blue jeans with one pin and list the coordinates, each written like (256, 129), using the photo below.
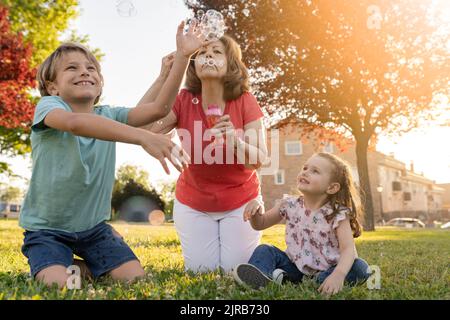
(267, 258)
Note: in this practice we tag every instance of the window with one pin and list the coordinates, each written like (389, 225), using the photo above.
(293, 148)
(396, 186)
(328, 147)
(14, 208)
(279, 177)
(406, 196)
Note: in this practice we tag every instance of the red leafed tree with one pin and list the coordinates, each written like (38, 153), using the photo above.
(16, 77)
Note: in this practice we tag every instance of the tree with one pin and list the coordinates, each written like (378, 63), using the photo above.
(167, 192)
(11, 194)
(359, 67)
(129, 172)
(44, 23)
(17, 78)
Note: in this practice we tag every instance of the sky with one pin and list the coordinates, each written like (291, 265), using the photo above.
(134, 35)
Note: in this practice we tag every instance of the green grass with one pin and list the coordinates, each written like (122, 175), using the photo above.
(414, 265)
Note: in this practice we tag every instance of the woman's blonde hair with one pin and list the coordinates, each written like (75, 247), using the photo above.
(47, 70)
(236, 80)
(347, 196)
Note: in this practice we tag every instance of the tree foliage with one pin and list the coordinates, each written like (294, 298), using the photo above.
(17, 78)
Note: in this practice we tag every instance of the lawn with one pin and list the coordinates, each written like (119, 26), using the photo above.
(414, 264)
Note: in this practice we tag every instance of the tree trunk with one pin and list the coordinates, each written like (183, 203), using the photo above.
(363, 172)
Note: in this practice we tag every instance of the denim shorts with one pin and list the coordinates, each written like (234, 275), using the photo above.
(101, 248)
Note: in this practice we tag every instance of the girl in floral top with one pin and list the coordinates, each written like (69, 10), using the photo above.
(320, 227)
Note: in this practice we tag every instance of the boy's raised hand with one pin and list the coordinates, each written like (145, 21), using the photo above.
(161, 147)
(189, 43)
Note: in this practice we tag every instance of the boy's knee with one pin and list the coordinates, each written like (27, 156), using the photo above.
(129, 271)
(53, 275)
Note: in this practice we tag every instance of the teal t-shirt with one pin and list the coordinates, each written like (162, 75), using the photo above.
(72, 178)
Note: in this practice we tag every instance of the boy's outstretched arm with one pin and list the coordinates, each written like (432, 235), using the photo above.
(94, 126)
(187, 44)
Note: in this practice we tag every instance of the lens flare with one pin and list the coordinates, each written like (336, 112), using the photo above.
(156, 217)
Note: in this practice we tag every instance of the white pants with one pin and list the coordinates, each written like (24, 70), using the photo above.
(210, 240)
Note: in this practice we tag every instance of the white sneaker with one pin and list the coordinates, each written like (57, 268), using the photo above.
(247, 274)
(278, 275)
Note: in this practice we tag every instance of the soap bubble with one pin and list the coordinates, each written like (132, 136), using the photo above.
(211, 24)
(193, 22)
(210, 62)
(126, 8)
(213, 14)
(211, 36)
(190, 23)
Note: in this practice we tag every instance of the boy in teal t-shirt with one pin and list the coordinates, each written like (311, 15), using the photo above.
(71, 185)
(73, 152)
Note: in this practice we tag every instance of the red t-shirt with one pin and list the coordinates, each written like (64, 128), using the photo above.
(218, 186)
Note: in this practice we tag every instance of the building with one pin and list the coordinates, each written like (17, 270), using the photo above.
(396, 190)
(9, 210)
(405, 193)
(446, 195)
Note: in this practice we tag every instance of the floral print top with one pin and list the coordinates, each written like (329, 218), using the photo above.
(311, 241)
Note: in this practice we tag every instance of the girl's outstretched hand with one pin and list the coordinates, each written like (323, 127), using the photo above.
(252, 208)
(190, 42)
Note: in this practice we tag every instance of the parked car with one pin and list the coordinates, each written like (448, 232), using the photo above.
(406, 223)
(446, 225)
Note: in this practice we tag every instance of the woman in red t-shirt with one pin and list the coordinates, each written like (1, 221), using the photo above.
(212, 193)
